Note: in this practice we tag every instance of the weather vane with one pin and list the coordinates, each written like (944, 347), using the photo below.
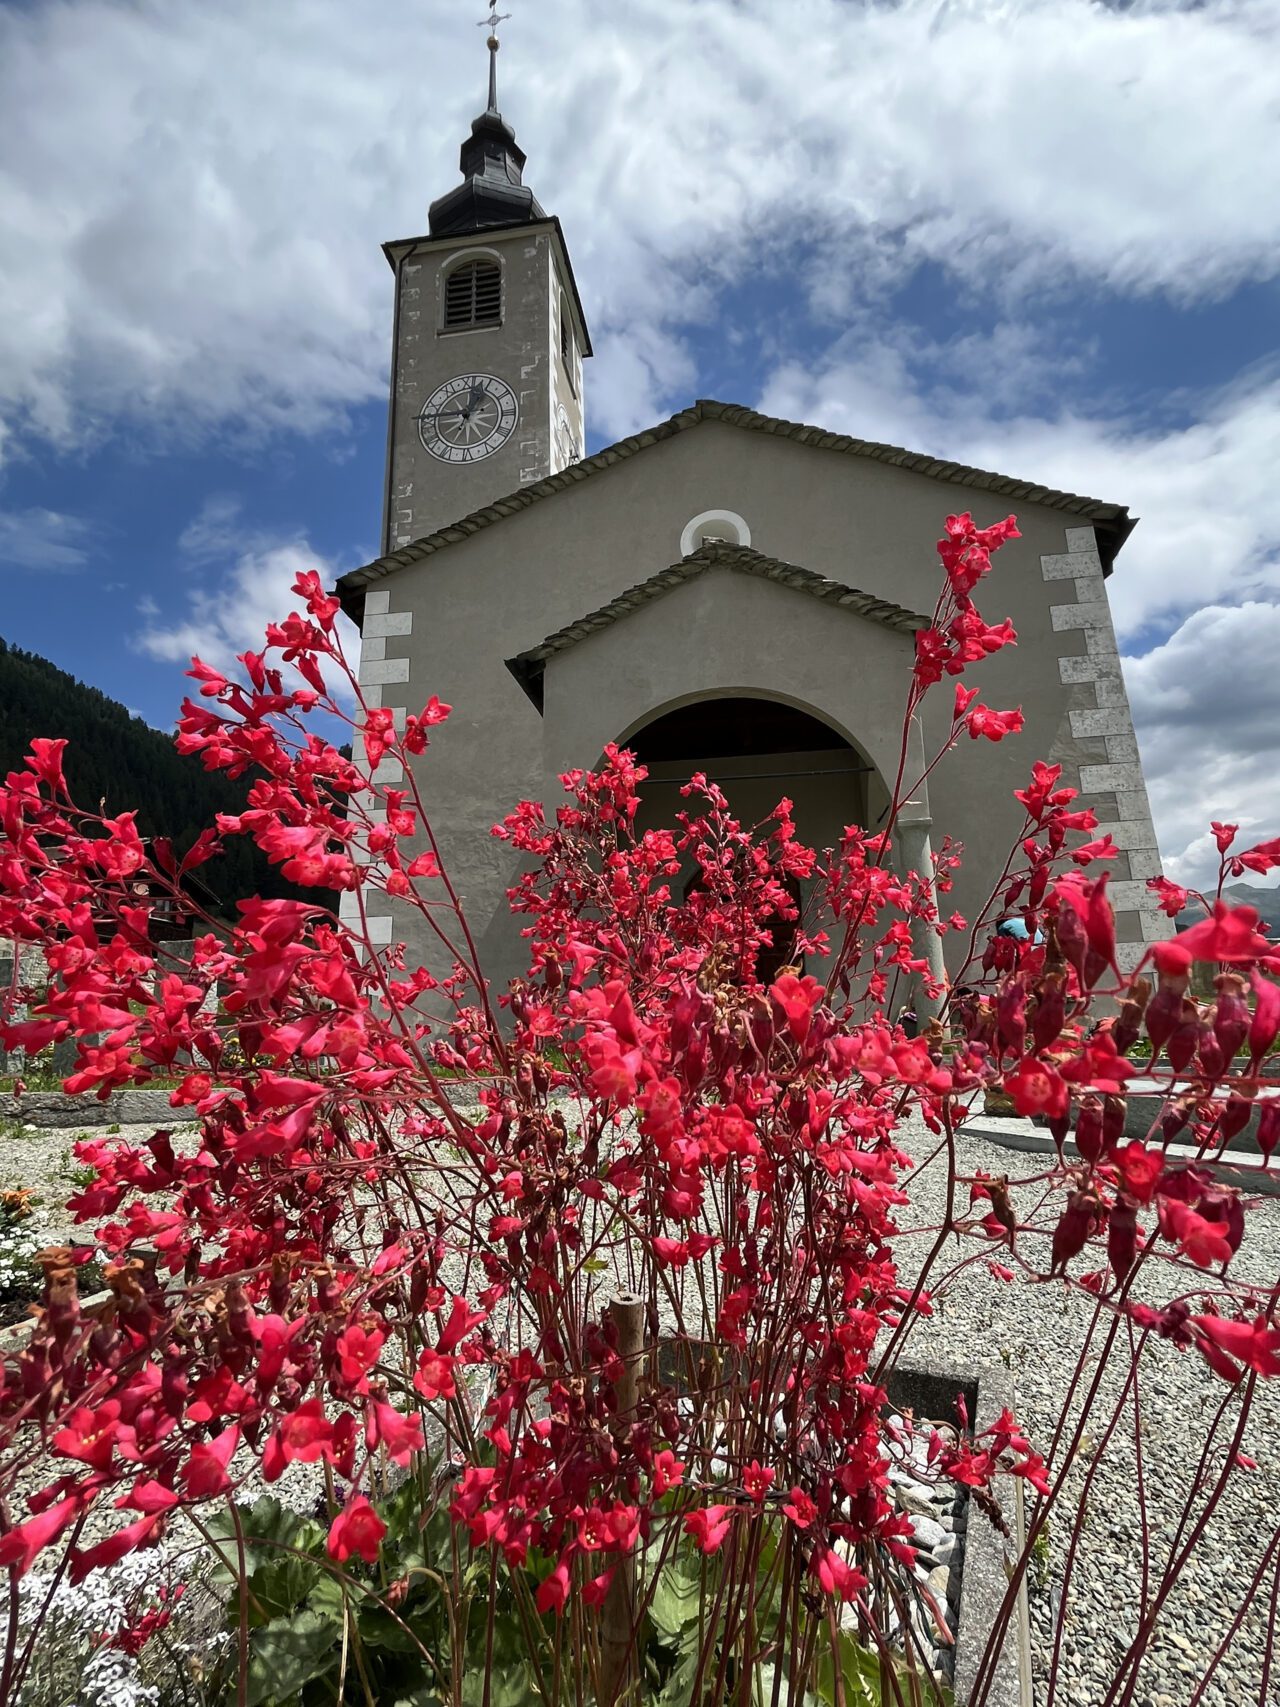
(491, 24)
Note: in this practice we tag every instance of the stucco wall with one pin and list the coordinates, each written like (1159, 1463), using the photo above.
(453, 620)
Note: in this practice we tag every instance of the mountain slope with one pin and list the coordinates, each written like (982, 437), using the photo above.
(118, 759)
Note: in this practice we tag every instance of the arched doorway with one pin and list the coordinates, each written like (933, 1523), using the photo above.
(758, 751)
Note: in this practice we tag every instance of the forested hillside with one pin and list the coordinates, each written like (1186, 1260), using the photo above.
(117, 758)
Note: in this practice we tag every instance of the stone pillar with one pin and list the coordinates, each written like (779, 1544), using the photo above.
(915, 853)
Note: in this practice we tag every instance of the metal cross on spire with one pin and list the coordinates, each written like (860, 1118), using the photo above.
(491, 24)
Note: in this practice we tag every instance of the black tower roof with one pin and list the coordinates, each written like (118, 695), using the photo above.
(492, 192)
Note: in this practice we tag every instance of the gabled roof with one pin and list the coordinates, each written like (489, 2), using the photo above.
(528, 667)
(1113, 521)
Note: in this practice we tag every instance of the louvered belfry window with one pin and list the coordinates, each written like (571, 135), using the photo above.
(473, 296)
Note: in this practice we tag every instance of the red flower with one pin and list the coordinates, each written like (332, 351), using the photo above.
(1139, 1170)
(797, 997)
(554, 1590)
(358, 1529)
(434, 1379)
(358, 1349)
(709, 1525)
(304, 1437)
(757, 1480)
(398, 1435)
(1205, 1242)
(20, 1546)
(995, 725)
(1230, 936)
(836, 1575)
(114, 1548)
(1255, 1344)
(668, 1472)
(800, 1508)
(205, 1472)
(1037, 1089)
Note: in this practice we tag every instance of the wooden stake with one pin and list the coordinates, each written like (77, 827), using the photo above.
(618, 1667)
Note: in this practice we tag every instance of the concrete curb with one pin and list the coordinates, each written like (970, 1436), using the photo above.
(1254, 1179)
(55, 1110)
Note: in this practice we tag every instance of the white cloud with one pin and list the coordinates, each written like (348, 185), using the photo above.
(43, 540)
(228, 611)
(199, 245)
(1207, 706)
(1206, 493)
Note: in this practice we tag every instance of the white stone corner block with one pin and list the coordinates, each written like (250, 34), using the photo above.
(1096, 615)
(1059, 566)
(378, 931)
(384, 670)
(1144, 862)
(1111, 721)
(377, 601)
(1081, 539)
(1122, 748)
(1111, 691)
(1132, 836)
(372, 650)
(1132, 803)
(1102, 779)
(383, 623)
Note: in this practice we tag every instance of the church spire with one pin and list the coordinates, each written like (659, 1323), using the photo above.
(492, 192)
(492, 21)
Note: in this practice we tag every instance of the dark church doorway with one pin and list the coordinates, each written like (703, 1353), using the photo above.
(758, 751)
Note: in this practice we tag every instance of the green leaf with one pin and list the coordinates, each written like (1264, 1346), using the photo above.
(378, 1629)
(268, 1526)
(678, 1690)
(762, 1687)
(509, 1686)
(287, 1653)
(675, 1601)
(594, 1265)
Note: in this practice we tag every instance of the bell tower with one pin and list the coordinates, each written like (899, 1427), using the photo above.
(488, 342)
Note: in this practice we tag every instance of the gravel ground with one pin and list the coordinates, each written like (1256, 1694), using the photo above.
(1038, 1331)
(41, 1160)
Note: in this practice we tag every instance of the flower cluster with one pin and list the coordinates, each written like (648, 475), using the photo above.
(355, 1263)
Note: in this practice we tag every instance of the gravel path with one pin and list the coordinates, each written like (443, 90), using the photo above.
(1038, 1331)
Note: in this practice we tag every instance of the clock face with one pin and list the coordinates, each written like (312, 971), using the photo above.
(468, 418)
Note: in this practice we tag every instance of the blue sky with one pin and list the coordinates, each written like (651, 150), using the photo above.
(1036, 235)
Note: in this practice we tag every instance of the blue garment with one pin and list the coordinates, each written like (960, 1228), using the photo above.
(1017, 929)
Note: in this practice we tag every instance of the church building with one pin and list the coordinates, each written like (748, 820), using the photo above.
(723, 591)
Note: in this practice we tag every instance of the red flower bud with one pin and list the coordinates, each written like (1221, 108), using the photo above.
(1122, 1239)
(1050, 1011)
(1266, 1016)
(1230, 1013)
(1089, 1137)
(1235, 1117)
(1269, 1127)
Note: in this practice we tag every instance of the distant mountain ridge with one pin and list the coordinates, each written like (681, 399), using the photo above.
(115, 757)
(1267, 902)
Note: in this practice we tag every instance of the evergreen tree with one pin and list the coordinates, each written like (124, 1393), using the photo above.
(119, 760)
